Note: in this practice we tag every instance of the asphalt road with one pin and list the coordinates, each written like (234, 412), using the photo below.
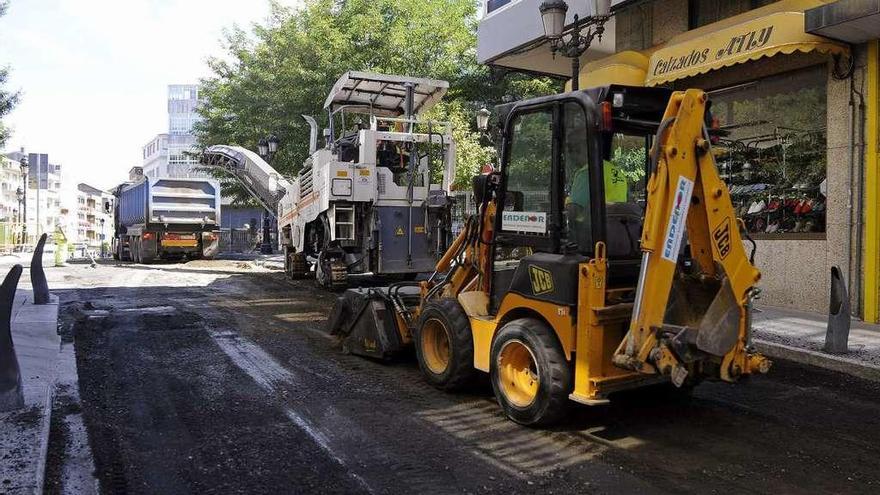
(219, 377)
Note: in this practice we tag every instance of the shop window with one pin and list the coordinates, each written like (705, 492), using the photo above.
(773, 152)
(703, 12)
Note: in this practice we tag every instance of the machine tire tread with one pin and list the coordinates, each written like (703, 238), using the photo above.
(553, 403)
(460, 372)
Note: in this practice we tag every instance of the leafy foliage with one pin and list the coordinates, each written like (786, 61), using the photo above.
(288, 65)
(8, 99)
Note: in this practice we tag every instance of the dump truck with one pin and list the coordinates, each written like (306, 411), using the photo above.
(373, 200)
(571, 282)
(166, 219)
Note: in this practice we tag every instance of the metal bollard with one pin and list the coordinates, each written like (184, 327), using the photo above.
(837, 335)
(11, 393)
(38, 276)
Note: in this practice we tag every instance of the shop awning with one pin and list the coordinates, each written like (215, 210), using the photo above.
(627, 67)
(692, 53)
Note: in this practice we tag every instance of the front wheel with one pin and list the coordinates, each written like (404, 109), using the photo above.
(444, 345)
(530, 375)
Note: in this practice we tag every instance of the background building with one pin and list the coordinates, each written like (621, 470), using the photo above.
(168, 154)
(43, 191)
(10, 184)
(93, 225)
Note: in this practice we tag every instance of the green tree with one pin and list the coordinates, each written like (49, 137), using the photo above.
(8, 99)
(286, 67)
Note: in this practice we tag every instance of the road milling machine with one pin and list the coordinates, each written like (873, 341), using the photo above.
(373, 200)
(605, 256)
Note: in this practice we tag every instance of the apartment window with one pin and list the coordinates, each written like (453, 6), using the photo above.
(703, 12)
(774, 154)
(493, 5)
(634, 27)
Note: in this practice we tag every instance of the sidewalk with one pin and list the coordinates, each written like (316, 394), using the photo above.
(799, 336)
(24, 434)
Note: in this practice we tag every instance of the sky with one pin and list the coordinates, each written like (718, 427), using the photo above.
(93, 74)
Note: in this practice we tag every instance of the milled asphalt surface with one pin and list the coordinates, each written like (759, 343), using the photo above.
(220, 378)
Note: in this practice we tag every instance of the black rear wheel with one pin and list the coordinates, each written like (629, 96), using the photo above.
(530, 375)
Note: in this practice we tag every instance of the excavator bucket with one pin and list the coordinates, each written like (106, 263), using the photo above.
(369, 320)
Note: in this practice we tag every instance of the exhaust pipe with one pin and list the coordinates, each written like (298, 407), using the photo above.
(313, 133)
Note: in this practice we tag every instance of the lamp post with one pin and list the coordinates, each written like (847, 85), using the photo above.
(102, 237)
(553, 18)
(267, 147)
(19, 194)
(23, 163)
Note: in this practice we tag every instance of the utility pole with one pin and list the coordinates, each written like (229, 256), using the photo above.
(23, 163)
(39, 227)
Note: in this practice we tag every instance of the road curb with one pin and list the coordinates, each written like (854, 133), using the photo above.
(45, 430)
(809, 357)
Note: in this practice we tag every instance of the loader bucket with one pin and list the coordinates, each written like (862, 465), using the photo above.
(366, 321)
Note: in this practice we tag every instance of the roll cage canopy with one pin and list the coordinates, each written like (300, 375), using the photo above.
(383, 95)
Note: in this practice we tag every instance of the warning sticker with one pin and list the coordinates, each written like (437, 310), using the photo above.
(399, 232)
(524, 221)
(677, 219)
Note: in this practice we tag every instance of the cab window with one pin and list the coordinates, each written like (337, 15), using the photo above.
(528, 205)
(576, 176)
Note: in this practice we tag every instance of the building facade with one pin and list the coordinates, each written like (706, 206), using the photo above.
(171, 154)
(43, 194)
(794, 88)
(94, 225)
(10, 186)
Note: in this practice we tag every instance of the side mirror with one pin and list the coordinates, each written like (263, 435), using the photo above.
(478, 185)
(483, 184)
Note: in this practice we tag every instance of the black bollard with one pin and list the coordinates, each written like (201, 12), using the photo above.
(38, 276)
(11, 393)
(837, 335)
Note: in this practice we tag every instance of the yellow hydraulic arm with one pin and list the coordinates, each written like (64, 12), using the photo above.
(687, 200)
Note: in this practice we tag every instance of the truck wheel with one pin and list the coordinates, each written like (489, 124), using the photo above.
(530, 375)
(445, 345)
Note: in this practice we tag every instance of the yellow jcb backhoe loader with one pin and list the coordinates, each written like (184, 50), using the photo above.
(578, 278)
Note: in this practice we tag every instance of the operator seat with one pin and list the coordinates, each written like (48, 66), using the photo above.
(623, 234)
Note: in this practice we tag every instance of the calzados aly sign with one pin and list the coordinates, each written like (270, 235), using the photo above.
(730, 46)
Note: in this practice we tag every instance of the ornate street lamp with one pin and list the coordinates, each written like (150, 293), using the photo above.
(553, 18)
(272, 142)
(483, 119)
(266, 148)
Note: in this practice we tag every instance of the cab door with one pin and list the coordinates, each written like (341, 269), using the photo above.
(548, 199)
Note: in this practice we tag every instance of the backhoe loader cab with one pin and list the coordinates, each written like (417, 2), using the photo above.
(605, 256)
